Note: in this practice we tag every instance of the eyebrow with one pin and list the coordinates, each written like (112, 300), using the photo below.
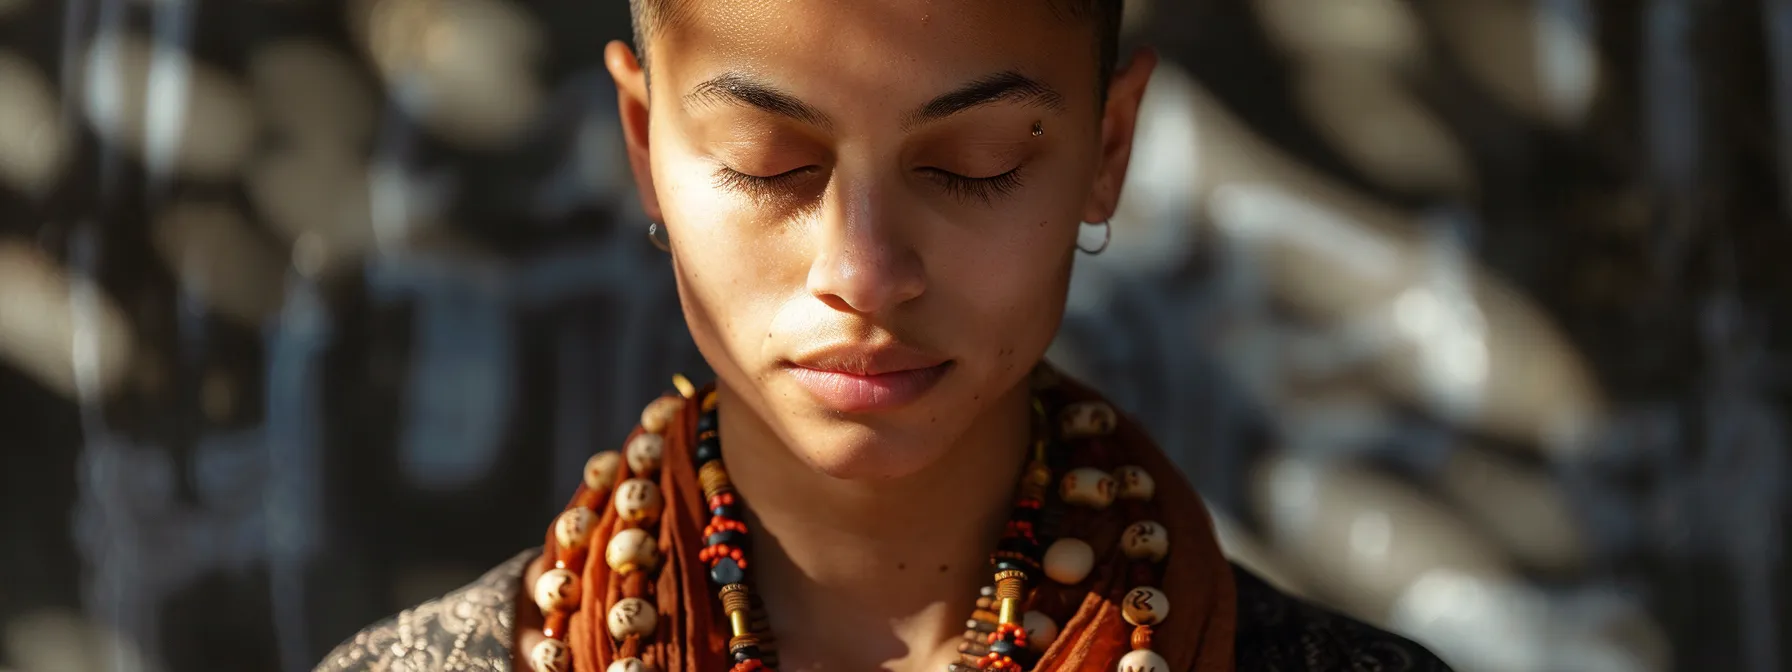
(734, 88)
(1003, 87)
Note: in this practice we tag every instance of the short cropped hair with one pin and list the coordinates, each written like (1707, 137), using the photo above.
(1102, 15)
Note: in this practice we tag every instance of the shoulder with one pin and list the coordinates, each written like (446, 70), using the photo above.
(1279, 632)
(468, 629)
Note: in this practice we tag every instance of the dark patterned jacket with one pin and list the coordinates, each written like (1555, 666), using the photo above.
(470, 629)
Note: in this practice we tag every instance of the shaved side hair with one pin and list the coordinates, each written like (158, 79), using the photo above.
(1103, 16)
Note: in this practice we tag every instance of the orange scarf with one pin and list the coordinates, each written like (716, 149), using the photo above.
(692, 635)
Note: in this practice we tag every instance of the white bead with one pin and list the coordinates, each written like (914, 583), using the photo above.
(600, 471)
(1088, 487)
(632, 616)
(1135, 483)
(1041, 630)
(644, 453)
(627, 665)
(1086, 418)
(1069, 560)
(550, 655)
(1143, 660)
(631, 550)
(638, 500)
(573, 528)
(659, 414)
(1145, 540)
(556, 589)
(1145, 605)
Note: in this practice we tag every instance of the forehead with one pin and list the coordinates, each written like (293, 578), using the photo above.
(875, 50)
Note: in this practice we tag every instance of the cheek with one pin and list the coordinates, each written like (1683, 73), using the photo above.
(731, 273)
(1009, 293)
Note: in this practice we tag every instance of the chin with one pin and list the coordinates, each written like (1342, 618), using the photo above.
(854, 450)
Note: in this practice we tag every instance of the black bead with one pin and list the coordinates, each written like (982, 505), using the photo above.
(746, 653)
(726, 571)
(729, 511)
(708, 450)
(1021, 545)
(706, 422)
(1024, 515)
(729, 537)
(1005, 648)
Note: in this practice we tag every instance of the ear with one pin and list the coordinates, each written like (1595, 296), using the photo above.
(632, 107)
(1119, 120)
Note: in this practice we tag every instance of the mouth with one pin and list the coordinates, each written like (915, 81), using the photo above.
(863, 380)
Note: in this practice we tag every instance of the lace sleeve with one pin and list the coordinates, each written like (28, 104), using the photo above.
(467, 630)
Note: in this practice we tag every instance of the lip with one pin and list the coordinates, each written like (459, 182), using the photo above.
(853, 379)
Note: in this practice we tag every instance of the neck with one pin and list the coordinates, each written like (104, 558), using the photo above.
(875, 573)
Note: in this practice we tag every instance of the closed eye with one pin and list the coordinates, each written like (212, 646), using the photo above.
(985, 189)
(762, 186)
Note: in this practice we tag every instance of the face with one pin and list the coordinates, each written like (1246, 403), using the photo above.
(873, 206)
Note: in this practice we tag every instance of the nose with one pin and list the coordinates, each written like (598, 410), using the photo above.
(864, 263)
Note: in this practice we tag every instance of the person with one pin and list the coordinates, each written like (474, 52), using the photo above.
(872, 210)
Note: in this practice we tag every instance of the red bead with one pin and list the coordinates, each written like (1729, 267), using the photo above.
(710, 554)
(1141, 637)
(720, 524)
(1019, 528)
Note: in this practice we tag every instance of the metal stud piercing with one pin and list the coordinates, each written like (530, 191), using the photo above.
(656, 232)
(1107, 235)
(1038, 128)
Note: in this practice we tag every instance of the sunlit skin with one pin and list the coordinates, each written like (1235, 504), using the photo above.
(857, 188)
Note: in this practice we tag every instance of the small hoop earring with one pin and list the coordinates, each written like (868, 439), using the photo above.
(1107, 235)
(656, 232)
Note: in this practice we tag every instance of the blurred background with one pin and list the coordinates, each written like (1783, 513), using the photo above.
(1469, 317)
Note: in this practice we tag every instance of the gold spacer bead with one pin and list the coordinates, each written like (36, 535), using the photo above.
(1010, 612)
(742, 641)
(709, 401)
(735, 598)
(685, 388)
(714, 479)
(737, 623)
(1010, 583)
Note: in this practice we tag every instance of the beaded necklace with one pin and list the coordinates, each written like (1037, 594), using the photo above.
(1002, 635)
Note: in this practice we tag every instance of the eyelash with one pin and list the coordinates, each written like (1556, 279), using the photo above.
(985, 189)
(757, 186)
